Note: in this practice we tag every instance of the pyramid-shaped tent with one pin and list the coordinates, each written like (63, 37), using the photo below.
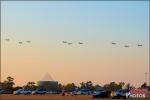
(47, 77)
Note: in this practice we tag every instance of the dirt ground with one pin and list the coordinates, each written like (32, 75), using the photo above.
(50, 97)
(47, 97)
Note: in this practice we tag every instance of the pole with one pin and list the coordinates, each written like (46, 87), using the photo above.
(149, 43)
(146, 77)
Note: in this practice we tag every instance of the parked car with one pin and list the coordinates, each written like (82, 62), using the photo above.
(22, 91)
(1, 91)
(74, 92)
(52, 92)
(85, 92)
(39, 91)
(6, 92)
(119, 94)
(101, 94)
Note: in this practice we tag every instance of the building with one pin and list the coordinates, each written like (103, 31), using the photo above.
(48, 83)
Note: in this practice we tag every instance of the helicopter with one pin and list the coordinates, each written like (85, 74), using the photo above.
(28, 41)
(139, 45)
(80, 43)
(7, 39)
(69, 43)
(127, 46)
(64, 41)
(20, 42)
(113, 43)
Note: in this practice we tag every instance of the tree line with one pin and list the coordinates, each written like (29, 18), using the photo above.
(9, 83)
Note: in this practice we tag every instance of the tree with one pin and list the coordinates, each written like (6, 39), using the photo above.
(83, 85)
(129, 86)
(30, 86)
(98, 87)
(87, 85)
(112, 86)
(8, 83)
(10, 79)
(60, 87)
(70, 87)
(144, 85)
(120, 85)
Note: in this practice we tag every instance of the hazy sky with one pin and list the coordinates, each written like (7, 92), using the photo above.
(96, 24)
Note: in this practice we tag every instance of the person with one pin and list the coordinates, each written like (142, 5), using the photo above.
(74, 93)
(63, 93)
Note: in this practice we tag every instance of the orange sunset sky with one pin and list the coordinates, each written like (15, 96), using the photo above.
(96, 24)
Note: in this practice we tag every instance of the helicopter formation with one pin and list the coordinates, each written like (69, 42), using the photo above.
(69, 43)
(7, 39)
(126, 46)
(20, 42)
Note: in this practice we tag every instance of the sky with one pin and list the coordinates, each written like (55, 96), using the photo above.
(95, 23)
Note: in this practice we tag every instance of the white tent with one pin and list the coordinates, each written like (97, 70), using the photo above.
(47, 77)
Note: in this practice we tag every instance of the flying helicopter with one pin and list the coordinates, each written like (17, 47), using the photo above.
(64, 41)
(28, 41)
(69, 43)
(7, 39)
(20, 42)
(80, 43)
(140, 45)
(127, 46)
(113, 43)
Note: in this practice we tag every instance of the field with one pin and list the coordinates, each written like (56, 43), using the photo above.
(47, 97)
(54, 97)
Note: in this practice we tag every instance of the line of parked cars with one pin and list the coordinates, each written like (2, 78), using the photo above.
(101, 94)
(85, 92)
(5, 91)
(22, 91)
(28, 92)
(37, 91)
(119, 94)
